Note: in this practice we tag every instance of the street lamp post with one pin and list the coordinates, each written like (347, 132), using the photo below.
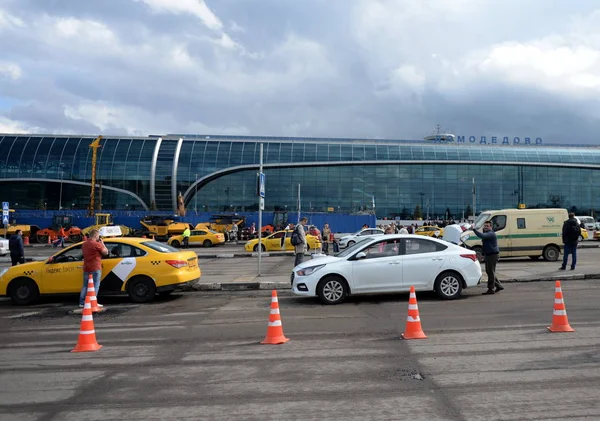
(422, 195)
(60, 194)
(196, 197)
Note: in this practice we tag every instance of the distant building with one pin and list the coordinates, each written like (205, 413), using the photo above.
(218, 173)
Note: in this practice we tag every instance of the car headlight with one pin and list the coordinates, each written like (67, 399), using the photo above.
(309, 270)
(3, 271)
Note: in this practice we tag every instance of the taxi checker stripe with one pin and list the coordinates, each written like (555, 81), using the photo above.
(275, 323)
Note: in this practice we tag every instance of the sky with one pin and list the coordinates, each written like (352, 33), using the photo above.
(317, 68)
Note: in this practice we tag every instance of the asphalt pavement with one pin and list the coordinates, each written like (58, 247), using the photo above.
(196, 356)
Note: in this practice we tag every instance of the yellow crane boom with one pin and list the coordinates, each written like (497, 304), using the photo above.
(94, 145)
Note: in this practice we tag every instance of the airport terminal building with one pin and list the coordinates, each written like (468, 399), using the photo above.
(218, 173)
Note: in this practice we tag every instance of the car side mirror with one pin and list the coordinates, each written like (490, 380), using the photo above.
(360, 256)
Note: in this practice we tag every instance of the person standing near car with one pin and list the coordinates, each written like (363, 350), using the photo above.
(570, 236)
(326, 237)
(300, 247)
(234, 233)
(15, 246)
(93, 249)
(491, 252)
(185, 237)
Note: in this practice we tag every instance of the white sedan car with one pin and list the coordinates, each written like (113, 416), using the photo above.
(390, 263)
(3, 246)
(350, 240)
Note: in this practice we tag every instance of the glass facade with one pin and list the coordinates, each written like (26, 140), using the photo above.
(217, 173)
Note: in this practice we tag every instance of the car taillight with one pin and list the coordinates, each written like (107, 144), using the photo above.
(473, 257)
(177, 263)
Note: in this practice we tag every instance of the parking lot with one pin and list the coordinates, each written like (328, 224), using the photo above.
(196, 356)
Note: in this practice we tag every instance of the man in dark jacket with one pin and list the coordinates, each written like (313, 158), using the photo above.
(17, 251)
(491, 253)
(570, 236)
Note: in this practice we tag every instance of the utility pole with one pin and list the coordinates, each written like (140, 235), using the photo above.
(298, 203)
(196, 197)
(61, 185)
(261, 206)
(474, 199)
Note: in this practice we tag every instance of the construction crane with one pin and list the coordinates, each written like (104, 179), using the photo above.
(94, 145)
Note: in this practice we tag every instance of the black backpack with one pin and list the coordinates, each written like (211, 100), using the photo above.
(295, 240)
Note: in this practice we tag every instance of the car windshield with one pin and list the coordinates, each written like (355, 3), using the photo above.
(481, 220)
(352, 248)
(160, 247)
(586, 219)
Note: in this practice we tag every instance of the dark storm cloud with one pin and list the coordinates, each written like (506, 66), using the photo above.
(366, 68)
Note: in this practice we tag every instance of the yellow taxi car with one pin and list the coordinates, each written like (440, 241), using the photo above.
(281, 241)
(430, 231)
(203, 237)
(139, 267)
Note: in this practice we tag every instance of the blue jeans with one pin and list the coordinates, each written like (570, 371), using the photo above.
(96, 277)
(569, 249)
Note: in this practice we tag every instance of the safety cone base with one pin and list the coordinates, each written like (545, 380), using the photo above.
(416, 335)
(275, 340)
(86, 348)
(566, 328)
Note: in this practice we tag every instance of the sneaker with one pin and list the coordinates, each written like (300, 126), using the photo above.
(562, 268)
(80, 305)
(489, 292)
(499, 288)
(100, 305)
(572, 268)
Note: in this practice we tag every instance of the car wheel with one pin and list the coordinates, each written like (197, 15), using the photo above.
(23, 291)
(332, 290)
(580, 238)
(175, 243)
(448, 285)
(551, 253)
(534, 257)
(350, 243)
(207, 243)
(141, 289)
(262, 247)
(479, 252)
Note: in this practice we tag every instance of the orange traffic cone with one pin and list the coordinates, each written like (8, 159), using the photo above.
(49, 239)
(26, 241)
(87, 334)
(413, 321)
(91, 292)
(560, 322)
(275, 329)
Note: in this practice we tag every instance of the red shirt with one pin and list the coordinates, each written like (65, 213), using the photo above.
(92, 255)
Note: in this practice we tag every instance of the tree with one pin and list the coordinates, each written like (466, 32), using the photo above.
(468, 211)
(418, 214)
(448, 213)
(556, 200)
(404, 214)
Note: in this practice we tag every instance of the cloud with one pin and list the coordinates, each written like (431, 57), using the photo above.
(10, 70)
(366, 68)
(197, 8)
